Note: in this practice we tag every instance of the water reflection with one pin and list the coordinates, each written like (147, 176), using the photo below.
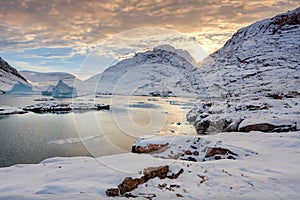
(30, 138)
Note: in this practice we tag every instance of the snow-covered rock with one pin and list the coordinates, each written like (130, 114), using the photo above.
(64, 107)
(192, 148)
(62, 90)
(257, 114)
(8, 110)
(9, 76)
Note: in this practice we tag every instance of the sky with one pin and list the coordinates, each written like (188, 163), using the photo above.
(84, 37)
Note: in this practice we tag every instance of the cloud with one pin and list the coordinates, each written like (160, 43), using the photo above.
(28, 24)
(118, 28)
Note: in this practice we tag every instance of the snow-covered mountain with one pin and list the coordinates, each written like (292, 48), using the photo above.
(261, 58)
(41, 81)
(9, 76)
(257, 76)
(160, 70)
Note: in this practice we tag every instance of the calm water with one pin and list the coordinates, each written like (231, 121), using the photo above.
(30, 138)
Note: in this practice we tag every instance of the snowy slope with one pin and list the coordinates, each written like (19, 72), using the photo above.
(9, 76)
(257, 77)
(41, 81)
(259, 59)
(271, 174)
(162, 69)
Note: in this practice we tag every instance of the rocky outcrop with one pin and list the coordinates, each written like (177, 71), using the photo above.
(151, 148)
(192, 148)
(219, 153)
(267, 125)
(55, 107)
(129, 184)
(270, 113)
(286, 19)
(7, 110)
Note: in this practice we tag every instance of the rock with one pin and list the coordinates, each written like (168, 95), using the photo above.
(151, 148)
(233, 126)
(112, 192)
(267, 125)
(161, 186)
(212, 151)
(264, 127)
(153, 172)
(275, 96)
(188, 152)
(190, 159)
(175, 176)
(128, 185)
(178, 195)
(202, 126)
(55, 107)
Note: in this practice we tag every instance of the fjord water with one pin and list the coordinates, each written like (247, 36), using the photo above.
(32, 137)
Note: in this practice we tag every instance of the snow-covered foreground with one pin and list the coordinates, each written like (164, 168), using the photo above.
(271, 174)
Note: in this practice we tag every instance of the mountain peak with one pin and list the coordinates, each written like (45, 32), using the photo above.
(183, 53)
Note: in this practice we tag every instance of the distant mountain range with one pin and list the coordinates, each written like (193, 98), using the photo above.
(41, 81)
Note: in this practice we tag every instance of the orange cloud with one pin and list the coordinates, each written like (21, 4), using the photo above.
(73, 23)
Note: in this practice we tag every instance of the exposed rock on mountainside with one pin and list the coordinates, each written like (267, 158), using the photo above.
(9, 76)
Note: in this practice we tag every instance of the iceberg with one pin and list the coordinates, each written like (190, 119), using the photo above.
(62, 90)
(49, 91)
(20, 88)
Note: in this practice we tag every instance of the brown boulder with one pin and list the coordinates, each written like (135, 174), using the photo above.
(128, 185)
(153, 172)
(112, 192)
(266, 127)
(212, 151)
(151, 148)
